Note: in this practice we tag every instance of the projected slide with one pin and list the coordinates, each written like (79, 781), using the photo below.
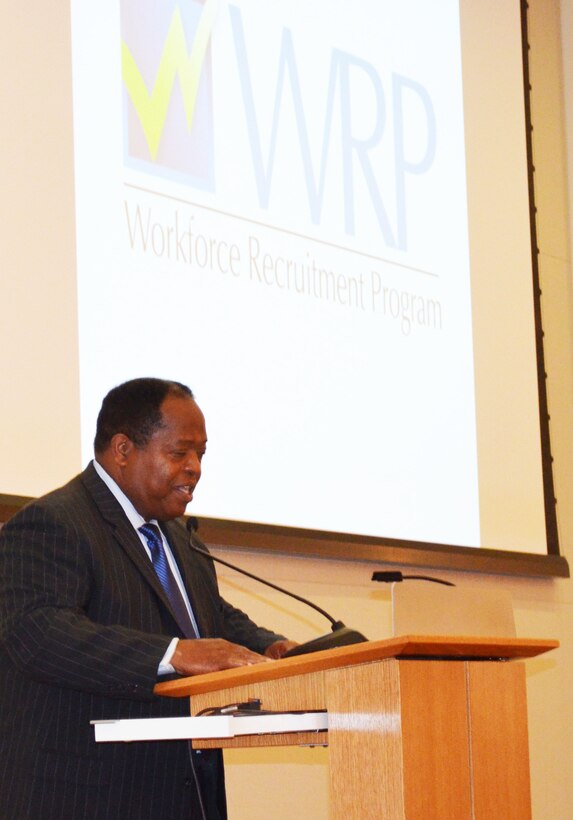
(272, 208)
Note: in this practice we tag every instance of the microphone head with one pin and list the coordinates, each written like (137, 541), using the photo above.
(192, 524)
(388, 576)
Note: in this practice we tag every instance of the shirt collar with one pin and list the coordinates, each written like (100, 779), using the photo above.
(135, 519)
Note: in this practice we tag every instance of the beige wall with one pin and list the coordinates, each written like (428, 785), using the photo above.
(38, 328)
(39, 340)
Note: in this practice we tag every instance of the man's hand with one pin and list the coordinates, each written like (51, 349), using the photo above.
(277, 649)
(196, 657)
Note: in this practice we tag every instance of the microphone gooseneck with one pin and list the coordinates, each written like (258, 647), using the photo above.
(341, 635)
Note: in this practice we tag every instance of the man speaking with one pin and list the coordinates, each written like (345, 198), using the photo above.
(100, 597)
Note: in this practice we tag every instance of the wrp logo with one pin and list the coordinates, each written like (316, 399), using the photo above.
(168, 99)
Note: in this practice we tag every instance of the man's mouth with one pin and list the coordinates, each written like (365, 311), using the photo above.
(186, 490)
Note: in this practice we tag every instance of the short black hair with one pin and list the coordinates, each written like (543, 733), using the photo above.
(134, 409)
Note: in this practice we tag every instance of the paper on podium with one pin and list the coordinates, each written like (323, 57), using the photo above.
(212, 726)
(423, 608)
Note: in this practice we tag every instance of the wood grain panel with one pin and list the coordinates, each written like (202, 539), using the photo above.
(435, 738)
(499, 741)
(365, 749)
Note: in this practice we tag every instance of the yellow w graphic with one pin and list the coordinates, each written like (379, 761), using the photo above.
(152, 109)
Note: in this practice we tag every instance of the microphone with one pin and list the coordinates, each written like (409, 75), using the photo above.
(393, 576)
(341, 635)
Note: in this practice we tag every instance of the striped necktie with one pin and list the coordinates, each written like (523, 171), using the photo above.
(168, 582)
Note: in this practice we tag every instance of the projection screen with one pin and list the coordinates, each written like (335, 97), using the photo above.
(317, 215)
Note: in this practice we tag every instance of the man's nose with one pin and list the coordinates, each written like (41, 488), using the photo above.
(193, 465)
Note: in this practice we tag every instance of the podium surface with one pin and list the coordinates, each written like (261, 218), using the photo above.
(418, 726)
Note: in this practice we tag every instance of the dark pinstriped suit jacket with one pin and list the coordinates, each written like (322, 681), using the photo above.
(83, 625)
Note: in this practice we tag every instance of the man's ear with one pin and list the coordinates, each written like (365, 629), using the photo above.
(120, 448)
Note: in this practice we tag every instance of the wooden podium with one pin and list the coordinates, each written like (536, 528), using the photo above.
(419, 727)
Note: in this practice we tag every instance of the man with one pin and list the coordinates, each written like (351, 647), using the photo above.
(94, 611)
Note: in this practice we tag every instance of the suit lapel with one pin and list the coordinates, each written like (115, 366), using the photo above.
(194, 572)
(122, 531)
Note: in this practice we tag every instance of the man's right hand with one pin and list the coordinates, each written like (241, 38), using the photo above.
(196, 657)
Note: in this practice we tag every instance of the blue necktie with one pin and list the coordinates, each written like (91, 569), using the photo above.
(168, 582)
